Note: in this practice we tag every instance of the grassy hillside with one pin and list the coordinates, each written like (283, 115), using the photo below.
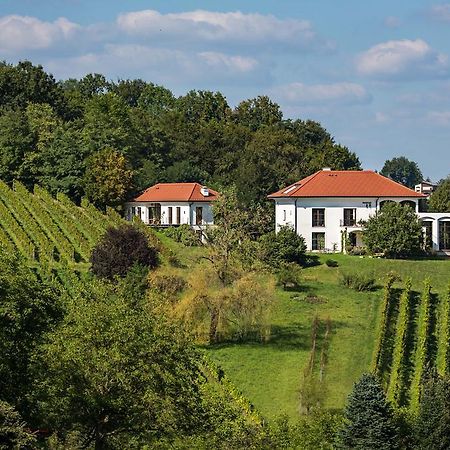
(270, 375)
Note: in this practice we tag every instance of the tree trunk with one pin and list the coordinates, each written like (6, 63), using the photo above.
(213, 326)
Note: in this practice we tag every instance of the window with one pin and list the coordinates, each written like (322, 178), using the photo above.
(444, 235)
(170, 215)
(318, 217)
(427, 226)
(178, 215)
(198, 215)
(349, 217)
(139, 211)
(318, 241)
(284, 215)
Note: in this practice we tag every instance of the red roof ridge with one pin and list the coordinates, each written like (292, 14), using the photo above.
(354, 183)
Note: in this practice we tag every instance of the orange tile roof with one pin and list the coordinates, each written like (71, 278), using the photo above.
(346, 183)
(176, 192)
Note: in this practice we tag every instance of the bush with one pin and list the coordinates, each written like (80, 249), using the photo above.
(120, 249)
(167, 284)
(286, 246)
(358, 281)
(289, 275)
(331, 263)
(395, 231)
(183, 234)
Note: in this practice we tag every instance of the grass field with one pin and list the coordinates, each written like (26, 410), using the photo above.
(270, 374)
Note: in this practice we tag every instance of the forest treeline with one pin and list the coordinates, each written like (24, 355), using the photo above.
(107, 140)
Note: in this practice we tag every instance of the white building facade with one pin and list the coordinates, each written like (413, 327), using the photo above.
(174, 204)
(328, 209)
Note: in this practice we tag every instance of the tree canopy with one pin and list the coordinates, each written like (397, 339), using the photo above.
(403, 171)
(109, 140)
(395, 231)
(440, 199)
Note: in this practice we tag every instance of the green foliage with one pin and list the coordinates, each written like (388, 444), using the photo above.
(397, 378)
(286, 246)
(358, 281)
(369, 421)
(52, 133)
(378, 362)
(395, 231)
(28, 309)
(432, 425)
(403, 171)
(183, 234)
(108, 179)
(440, 199)
(14, 432)
(289, 274)
(331, 263)
(121, 248)
(116, 373)
(422, 347)
(443, 356)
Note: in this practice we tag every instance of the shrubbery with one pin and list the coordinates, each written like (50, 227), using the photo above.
(358, 281)
(331, 263)
(395, 231)
(120, 249)
(286, 246)
(183, 234)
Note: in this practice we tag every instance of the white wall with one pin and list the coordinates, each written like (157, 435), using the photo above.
(187, 210)
(207, 213)
(334, 216)
(184, 210)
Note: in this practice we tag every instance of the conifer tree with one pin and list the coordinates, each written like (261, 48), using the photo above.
(432, 428)
(369, 422)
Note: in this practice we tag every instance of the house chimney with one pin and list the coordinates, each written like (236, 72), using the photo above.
(204, 191)
(326, 169)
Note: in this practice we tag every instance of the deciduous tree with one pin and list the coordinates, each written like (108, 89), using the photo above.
(403, 171)
(395, 231)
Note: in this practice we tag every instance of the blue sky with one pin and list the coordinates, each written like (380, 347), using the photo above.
(375, 74)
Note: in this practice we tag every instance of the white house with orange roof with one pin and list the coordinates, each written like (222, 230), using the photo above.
(328, 208)
(172, 204)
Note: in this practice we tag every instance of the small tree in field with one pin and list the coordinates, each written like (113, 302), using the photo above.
(369, 422)
(120, 249)
(395, 231)
(286, 246)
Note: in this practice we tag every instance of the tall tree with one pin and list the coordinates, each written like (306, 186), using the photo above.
(257, 112)
(395, 231)
(440, 199)
(432, 425)
(28, 309)
(369, 422)
(403, 171)
(117, 374)
(108, 178)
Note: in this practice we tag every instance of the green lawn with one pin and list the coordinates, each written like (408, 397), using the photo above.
(270, 374)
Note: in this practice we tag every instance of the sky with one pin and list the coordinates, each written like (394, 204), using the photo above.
(376, 75)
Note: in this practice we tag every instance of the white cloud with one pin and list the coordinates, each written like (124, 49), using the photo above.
(304, 94)
(157, 64)
(441, 12)
(234, 63)
(28, 33)
(221, 27)
(407, 59)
